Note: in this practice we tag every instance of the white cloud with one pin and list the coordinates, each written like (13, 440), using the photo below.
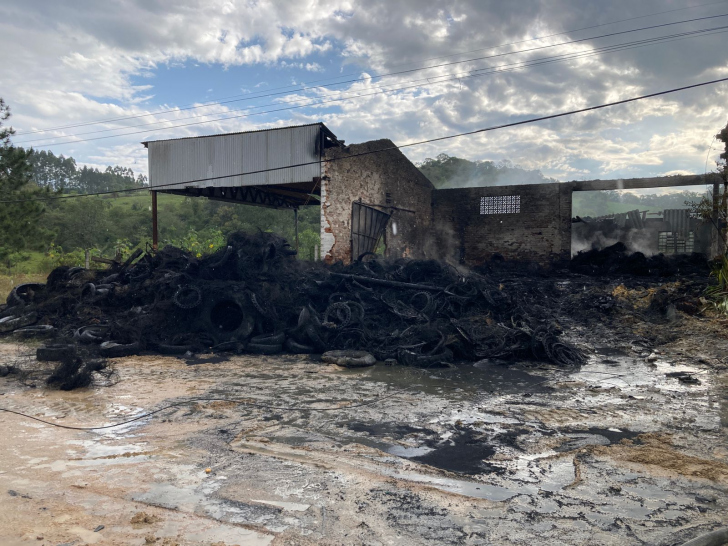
(65, 63)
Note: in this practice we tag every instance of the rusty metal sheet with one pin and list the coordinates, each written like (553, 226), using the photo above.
(367, 227)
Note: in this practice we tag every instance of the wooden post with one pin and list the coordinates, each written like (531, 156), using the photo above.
(88, 264)
(295, 224)
(155, 233)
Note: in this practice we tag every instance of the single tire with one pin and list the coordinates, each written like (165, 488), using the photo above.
(43, 330)
(296, 348)
(9, 323)
(269, 339)
(714, 538)
(164, 349)
(12, 323)
(23, 293)
(88, 291)
(349, 359)
(257, 349)
(223, 259)
(408, 358)
(90, 334)
(110, 349)
(187, 297)
(74, 271)
(55, 353)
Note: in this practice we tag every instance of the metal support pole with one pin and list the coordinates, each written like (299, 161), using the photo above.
(155, 233)
(295, 223)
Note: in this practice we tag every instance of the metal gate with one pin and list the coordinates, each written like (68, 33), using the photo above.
(367, 227)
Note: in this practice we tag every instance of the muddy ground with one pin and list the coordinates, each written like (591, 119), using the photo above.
(616, 452)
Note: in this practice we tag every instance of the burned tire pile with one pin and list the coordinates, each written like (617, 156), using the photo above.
(254, 296)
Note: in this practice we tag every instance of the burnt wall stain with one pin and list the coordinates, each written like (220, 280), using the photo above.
(540, 232)
(384, 178)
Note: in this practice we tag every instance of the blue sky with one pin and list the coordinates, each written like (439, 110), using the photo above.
(142, 63)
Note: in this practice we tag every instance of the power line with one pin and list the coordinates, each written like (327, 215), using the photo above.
(379, 90)
(389, 148)
(248, 97)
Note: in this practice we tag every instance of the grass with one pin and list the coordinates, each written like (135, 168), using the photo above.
(7, 282)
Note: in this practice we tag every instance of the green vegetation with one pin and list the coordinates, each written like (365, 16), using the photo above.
(19, 214)
(602, 203)
(36, 236)
(717, 294)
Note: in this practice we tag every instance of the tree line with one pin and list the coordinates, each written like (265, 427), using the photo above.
(61, 174)
(67, 227)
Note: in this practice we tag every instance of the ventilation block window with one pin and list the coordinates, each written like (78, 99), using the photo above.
(500, 204)
(671, 242)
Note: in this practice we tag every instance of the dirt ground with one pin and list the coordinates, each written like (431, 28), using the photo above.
(294, 451)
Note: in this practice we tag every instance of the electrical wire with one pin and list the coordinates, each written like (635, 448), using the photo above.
(381, 90)
(310, 102)
(207, 399)
(181, 185)
(360, 79)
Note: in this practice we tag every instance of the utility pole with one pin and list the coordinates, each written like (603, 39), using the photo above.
(155, 234)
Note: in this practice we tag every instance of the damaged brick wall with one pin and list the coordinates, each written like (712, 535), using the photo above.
(540, 231)
(386, 178)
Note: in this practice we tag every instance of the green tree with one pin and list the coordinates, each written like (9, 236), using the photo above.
(55, 172)
(19, 226)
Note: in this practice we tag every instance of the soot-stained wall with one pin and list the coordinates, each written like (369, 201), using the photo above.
(386, 178)
(540, 231)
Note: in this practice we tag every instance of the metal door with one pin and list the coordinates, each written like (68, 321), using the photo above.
(367, 228)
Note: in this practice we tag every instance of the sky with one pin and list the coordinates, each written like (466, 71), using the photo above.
(407, 71)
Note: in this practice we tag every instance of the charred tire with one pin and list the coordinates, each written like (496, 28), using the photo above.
(227, 347)
(223, 259)
(88, 291)
(349, 359)
(139, 273)
(43, 330)
(12, 323)
(298, 348)
(23, 293)
(408, 358)
(172, 349)
(338, 314)
(259, 349)
(225, 318)
(55, 353)
(267, 310)
(187, 297)
(268, 339)
(90, 334)
(110, 349)
(74, 271)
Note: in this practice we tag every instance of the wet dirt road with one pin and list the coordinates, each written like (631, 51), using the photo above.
(617, 452)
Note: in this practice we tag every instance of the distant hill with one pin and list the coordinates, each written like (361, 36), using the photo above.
(453, 172)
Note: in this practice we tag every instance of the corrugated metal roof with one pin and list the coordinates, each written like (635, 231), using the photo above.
(222, 160)
(242, 132)
(679, 220)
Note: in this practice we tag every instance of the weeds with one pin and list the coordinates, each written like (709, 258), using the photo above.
(717, 293)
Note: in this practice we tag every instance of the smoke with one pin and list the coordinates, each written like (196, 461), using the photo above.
(600, 235)
(453, 172)
(442, 243)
